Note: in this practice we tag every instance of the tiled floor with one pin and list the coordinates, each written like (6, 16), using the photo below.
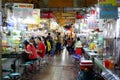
(61, 69)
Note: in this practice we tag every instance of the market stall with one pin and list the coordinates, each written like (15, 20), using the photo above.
(103, 40)
(106, 58)
(48, 23)
(21, 23)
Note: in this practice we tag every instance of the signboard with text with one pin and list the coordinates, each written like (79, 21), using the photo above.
(113, 2)
(36, 14)
(48, 14)
(108, 11)
(22, 10)
(23, 6)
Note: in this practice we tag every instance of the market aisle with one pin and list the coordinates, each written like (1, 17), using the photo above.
(61, 69)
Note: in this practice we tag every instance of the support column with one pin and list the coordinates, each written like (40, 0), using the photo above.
(0, 45)
(60, 16)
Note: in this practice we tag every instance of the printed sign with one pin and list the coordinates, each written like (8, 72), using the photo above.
(113, 2)
(22, 10)
(108, 11)
(21, 5)
(36, 14)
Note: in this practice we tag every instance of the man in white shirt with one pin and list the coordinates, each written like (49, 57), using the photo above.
(78, 47)
(78, 43)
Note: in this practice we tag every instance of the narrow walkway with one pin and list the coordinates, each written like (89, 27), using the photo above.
(61, 69)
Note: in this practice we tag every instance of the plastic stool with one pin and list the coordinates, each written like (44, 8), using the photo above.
(76, 56)
(29, 62)
(25, 65)
(14, 76)
(5, 78)
(7, 70)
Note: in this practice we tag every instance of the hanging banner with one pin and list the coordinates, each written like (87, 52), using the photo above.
(48, 14)
(108, 11)
(36, 15)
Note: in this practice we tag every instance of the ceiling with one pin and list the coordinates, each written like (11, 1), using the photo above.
(56, 3)
(64, 10)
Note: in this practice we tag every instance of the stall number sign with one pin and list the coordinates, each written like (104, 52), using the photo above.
(108, 11)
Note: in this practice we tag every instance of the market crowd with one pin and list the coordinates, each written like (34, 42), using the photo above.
(40, 46)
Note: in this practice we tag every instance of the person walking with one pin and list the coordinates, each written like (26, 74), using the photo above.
(58, 43)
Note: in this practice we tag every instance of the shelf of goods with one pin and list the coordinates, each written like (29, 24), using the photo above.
(106, 73)
(11, 42)
(100, 65)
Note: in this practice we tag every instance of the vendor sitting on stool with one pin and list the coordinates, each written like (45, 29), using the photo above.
(78, 47)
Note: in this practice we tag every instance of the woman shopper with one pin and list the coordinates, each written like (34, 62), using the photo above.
(41, 49)
(30, 49)
(32, 54)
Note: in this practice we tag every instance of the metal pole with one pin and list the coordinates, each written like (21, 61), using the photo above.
(0, 45)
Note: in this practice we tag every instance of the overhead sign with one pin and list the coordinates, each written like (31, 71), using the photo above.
(48, 14)
(113, 2)
(108, 11)
(21, 10)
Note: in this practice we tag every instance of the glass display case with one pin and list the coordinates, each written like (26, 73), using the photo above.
(11, 41)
